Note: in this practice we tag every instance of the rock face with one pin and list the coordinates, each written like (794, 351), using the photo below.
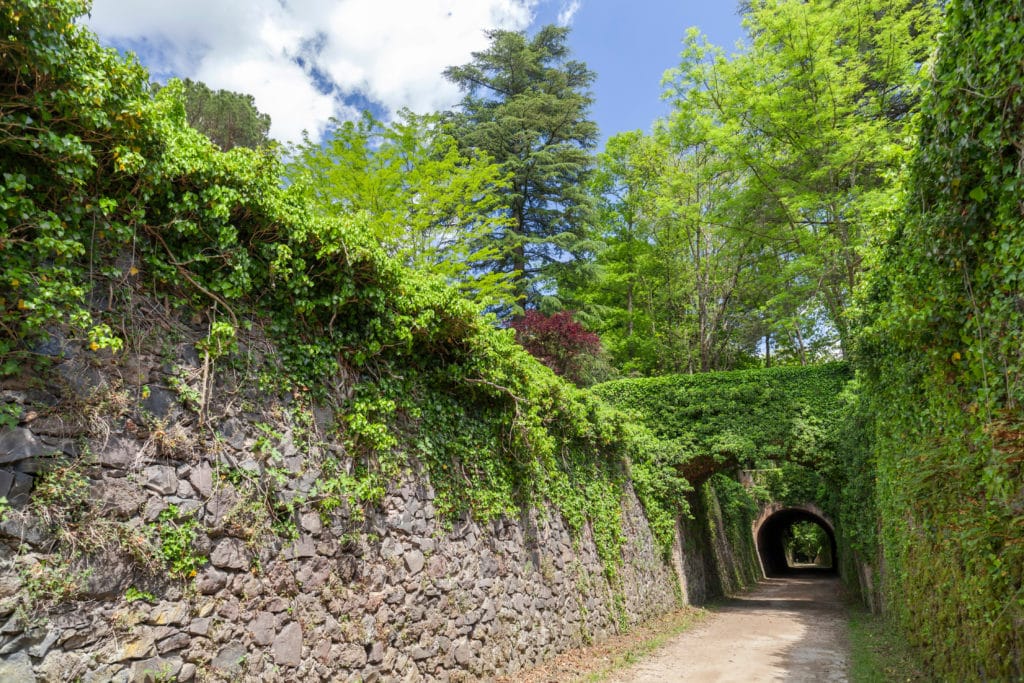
(397, 595)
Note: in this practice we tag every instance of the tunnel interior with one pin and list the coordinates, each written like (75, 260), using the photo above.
(774, 539)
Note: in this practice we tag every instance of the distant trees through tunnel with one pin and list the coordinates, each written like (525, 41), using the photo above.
(794, 540)
(806, 543)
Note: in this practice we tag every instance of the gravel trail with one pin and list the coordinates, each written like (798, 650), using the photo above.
(785, 629)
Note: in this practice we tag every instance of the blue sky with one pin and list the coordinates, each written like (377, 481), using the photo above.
(630, 45)
(305, 61)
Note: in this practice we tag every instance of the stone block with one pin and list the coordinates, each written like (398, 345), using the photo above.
(201, 478)
(304, 547)
(234, 433)
(6, 482)
(119, 453)
(83, 380)
(414, 561)
(141, 647)
(161, 403)
(161, 479)
(287, 648)
(119, 497)
(17, 668)
(462, 653)
(21, 489)
(18, 443)
(199, 626)
(39, 650)
(210, 580)
(172, 643)
(350, 656)
(155, 669)
(263, 628)
(230, 658)
(310, 521)
(230, 553)
(419, 653)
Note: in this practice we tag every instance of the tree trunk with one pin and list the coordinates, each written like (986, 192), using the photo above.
(800, 345)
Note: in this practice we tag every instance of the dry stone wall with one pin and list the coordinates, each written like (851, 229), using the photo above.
(111, 479)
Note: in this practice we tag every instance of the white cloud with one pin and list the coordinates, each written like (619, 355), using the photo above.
(568, 12)
(389, 51)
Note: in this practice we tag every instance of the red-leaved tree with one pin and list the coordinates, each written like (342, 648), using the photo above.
(560, 343)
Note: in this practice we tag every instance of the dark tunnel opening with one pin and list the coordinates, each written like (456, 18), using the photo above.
(775, 538)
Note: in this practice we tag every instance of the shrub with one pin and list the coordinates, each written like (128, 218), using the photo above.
(560, 343)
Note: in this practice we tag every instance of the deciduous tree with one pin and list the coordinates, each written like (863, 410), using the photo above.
(816, 110)
(426, 201)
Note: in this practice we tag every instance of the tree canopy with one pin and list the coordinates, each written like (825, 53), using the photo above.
(230, 119)
(429, 204)
(739, 228)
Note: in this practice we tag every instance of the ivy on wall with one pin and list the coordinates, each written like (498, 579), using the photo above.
(743, 418)
(787, 423)
(942, 362)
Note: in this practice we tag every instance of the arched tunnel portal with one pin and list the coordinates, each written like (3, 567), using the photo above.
(770, 531)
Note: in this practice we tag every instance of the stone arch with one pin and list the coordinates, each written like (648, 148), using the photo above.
(774, 520)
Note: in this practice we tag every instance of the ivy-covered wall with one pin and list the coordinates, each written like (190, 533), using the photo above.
(740, 418)
(141, 261)
(942, 360)
(108, 196)
(148, 546)
(789, 424)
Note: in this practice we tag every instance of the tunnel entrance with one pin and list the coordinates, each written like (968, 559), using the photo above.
(795, 540)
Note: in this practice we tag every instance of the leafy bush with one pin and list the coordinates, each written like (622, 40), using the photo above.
(560, 343)
(176, 536)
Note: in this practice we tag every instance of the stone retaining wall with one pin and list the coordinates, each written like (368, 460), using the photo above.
(396, 595)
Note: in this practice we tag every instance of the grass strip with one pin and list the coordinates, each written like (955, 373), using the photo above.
(879, 652)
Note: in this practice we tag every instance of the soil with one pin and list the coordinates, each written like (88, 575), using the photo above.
(785, 629)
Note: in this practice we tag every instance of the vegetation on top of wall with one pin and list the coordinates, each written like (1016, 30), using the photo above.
(746, 418)
(943, 366)
(105, 187)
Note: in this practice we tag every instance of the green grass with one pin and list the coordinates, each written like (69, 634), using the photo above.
(879, 652)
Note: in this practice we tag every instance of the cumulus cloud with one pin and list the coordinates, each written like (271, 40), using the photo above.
(301, 59)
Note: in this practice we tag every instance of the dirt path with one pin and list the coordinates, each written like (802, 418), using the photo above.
(791, 629)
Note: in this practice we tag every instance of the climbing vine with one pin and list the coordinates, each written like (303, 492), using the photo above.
(942, 363)
(745, 418)
(784, 423)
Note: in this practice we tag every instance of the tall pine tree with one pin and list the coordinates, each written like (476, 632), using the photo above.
(526, 105)
(228, 118)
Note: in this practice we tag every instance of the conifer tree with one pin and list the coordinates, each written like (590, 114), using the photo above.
(526, 105)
